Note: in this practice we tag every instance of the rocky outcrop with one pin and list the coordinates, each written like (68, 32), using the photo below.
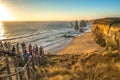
(71, 24)
(106, 32)
(83, 23)
(76, 25)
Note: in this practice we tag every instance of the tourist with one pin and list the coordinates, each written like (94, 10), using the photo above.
(1, 46)
(36, 56)
(26, 56)
(17, 47)
(5, 46)
(13, 50)
(41, 53)
(23, 47)
(41, 50)
(9, 47)
(30, 49)
(36, 49)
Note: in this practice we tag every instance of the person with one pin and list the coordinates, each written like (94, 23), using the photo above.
(13, 50)
(36, 49)
(5, 46)
(17, 47)
(30, 49)
(1, 46)
(41, 53)
(26, 56)
(23, 47)
(9, 47)
(35, 55)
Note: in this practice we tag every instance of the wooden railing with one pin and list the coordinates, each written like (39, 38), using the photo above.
(21, 73)
(3, 67)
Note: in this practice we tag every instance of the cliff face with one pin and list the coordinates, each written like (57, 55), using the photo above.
(106, 32)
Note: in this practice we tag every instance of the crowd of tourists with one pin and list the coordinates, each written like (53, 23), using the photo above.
(22, 49)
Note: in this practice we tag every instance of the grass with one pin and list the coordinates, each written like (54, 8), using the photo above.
(91, 66)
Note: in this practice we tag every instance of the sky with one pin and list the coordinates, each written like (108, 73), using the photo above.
(61, 10)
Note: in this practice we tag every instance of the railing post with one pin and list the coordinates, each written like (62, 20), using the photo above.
(16, 74)
(15, 66)
(8, 67)
(20, 74)
(32, 59)
(28, 70)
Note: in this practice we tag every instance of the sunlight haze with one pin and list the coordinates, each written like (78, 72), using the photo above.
(5, 15)
(57, 10)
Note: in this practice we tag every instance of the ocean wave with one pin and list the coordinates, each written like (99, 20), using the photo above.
(43, 34)
(20, 37)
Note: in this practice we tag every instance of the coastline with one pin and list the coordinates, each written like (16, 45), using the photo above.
(66, 42)
(81, 44)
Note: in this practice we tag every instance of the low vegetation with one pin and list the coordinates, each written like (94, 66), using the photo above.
(90, 66)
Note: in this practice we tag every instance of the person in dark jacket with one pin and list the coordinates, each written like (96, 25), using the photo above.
(26, 56)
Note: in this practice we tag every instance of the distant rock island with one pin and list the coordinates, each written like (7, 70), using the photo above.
(106, 32)
(76, 25)
(83, 23)
(81, 26)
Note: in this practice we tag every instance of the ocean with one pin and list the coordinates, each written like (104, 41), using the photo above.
(48, 34)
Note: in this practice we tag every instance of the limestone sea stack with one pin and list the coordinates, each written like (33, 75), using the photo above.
(71, 24)
(83, 24)
(106, 32)
(76, 25)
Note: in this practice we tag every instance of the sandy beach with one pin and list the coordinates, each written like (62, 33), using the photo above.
(81, 44)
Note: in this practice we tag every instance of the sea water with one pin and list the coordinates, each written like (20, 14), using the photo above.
(50, 35)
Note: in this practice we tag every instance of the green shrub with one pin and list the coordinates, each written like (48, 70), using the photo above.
(101, 42)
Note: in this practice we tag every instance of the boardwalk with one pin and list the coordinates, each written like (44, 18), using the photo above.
(13, 70)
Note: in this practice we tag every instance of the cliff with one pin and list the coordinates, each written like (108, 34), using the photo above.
(106, 32)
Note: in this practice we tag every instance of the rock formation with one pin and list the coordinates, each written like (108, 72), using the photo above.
(76, 25)
(83, 23)
(71, 24)
(106, 32)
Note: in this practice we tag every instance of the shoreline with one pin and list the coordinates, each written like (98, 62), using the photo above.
(80, 44)
(61, 47)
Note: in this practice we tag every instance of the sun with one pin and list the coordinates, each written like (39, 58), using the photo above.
(5, 15)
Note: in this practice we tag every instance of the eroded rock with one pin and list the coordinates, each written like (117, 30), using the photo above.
(106, 32)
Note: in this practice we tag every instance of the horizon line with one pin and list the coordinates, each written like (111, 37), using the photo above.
(54, 20)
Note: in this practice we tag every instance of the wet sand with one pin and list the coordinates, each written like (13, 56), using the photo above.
(81, 44)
